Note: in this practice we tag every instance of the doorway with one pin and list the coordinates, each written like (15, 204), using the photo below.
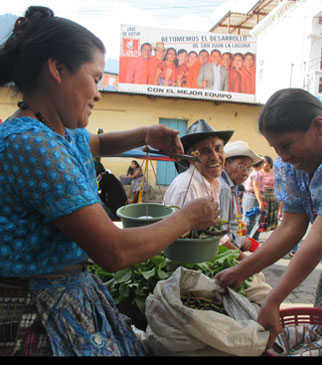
(166, 171)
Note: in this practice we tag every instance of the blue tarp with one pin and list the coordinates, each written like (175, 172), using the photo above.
(138, 153)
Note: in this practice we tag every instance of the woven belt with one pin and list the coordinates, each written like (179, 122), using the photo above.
(65, 271)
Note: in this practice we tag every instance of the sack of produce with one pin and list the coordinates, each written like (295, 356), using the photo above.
(189, 314)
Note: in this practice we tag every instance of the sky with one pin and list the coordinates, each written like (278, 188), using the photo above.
(104, 17)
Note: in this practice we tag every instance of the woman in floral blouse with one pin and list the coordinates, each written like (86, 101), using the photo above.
(291, 122)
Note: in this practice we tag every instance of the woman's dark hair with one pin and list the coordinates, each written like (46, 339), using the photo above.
(38, 36)
(136, 163)
(167, 51)
(269, 160)
(258, 164)
(289, 110)
(130, 170)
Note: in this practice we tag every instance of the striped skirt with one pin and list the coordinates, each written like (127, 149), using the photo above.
(70, 316)
(269, 220)
(21, 330)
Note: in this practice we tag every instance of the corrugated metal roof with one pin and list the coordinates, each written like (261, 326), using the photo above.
(242, 24)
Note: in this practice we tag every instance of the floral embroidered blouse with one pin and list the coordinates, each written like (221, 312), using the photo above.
(299, 192)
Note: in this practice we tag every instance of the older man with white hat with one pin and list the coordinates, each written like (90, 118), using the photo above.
(238, 165)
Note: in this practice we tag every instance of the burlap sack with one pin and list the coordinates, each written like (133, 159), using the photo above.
(177, 330)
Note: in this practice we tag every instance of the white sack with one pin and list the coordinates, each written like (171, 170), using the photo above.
(175, 329)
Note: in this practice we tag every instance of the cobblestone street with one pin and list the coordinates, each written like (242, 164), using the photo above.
(304, 294)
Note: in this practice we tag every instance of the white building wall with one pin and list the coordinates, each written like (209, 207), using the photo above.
(289, 42)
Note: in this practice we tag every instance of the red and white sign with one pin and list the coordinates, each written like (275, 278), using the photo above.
(187, 64)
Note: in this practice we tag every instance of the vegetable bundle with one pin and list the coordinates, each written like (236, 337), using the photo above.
(133, 284)
(201, 303)
(215, 230)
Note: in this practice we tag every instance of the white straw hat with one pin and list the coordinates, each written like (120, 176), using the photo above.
(240, 148)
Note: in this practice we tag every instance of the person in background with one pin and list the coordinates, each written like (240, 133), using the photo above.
(111, 192)
(133, 172)
(291, 122)
(183, 73)
(182, 67)
(269, 218)
(138, 69)
(51, 217)
(213, 76)
(138, 181)
(166, 70)
(193, 72)
(227, 62)
(253, 198)
(182, 57)
(234, 81)
(239, 162)
(248, 72)
(155, 60)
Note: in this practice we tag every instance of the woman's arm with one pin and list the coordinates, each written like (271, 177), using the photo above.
(302, 264)
(114, 248)
(158, 136)
(280, 242)
(167, 78)
(157, 74)
(258, 195)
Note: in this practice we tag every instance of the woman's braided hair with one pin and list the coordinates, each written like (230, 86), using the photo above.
(38, 36)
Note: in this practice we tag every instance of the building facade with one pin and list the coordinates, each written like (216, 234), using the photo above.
(289, 48)
(120, 111)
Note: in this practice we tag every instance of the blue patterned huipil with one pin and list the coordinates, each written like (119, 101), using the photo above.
(43, 176)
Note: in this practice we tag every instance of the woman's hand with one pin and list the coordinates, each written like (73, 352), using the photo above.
(230, 277)
(163, 138)
(269, 318)
(261, 206)
(201, 213)
(247, 244)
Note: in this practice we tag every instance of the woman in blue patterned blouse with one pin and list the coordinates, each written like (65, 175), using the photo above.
(51, 219)
(291, 122)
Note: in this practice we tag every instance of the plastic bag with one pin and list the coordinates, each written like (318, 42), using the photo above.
(175, 329)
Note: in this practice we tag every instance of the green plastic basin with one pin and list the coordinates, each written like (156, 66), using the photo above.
(142, 214)
(193, 250)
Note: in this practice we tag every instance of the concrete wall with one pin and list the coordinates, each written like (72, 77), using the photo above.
(117, 111)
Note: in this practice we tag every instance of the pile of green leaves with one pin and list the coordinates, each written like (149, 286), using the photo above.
(132, 285)
(215, 230)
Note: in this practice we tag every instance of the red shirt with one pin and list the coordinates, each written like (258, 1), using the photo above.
(248, 80)
(153, 63)
(137, 72)
(234, 81)
(192, 76)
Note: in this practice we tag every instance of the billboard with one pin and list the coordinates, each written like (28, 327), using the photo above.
(175, 63)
